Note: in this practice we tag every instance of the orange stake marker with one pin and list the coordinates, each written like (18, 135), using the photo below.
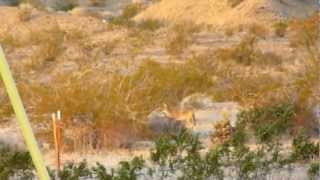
(57, 140)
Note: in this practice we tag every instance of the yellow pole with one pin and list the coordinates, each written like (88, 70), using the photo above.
(22, 118)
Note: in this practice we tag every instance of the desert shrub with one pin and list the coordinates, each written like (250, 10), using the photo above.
(234, 3)
(246, 53)
(98, 2)
(305, 33)
(49, 45)
(250, 91)
(178, 152)
(15, 163)
(126, 170)
(181, 156)
(72, 171)
(306, 37)
(150, 24)
(314, 171)
(130, 170)
(229, 32)
(101, 172)
(25, 11)
(280, 28)
(303, 148)
(258, 30)
(47, 42)
(125, 19)
(269, 122)
(119, 102)
(65, 5)
(243, 53)
(180, 37)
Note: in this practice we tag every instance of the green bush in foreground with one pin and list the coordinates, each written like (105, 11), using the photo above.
(14, 162)
(183, 156)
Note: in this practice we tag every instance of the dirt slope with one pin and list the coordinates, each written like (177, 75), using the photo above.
(220, 12)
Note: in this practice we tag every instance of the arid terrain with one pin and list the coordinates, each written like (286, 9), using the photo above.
(170, 89)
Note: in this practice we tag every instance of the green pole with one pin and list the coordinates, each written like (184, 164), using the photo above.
(22, 118)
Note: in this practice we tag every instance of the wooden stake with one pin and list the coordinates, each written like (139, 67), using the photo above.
(57, 140)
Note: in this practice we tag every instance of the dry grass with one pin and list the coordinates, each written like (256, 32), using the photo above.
(111, 103)
(25, 11)
(180, 37)
(280, 28)
(125, 19)
(258, 30)
(234, 3)
(246, 53)
(305, 33)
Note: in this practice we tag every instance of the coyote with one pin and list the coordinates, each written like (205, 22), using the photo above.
(187, 117)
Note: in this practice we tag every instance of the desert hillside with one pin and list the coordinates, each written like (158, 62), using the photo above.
(163, 89)
(229, 12)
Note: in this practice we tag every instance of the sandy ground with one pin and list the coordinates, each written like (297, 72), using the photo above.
(212, 11)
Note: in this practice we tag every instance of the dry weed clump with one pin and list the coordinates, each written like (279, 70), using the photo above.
(305, 33)
(246, 53)
(125, 19)
(49, 44)
(234, 3)
(258, 30)
(229, 31)
(222, 131)
(150, 24)
(251, 91)
(180, 37)
(25, 11)
(280, 28)
(107, 105)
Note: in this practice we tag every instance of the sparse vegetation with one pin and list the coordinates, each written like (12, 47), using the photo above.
(246, 53)
(180, 156)
(14, 163)
(303, 148)
(314, 171)
(106, 104)
(150, 24)
(229, 32)
(234, 3)
(66, 5)
(280, 28)
(25, 11)
(305, 32)
(120, 104)
(258, 30)
(125, 19)
(180, 37)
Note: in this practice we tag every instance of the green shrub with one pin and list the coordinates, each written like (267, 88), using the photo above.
(303, 148)
(130, 170)
(178, 152)
(15, 163)
(314, 171)
(269, 122)
(73, 171)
